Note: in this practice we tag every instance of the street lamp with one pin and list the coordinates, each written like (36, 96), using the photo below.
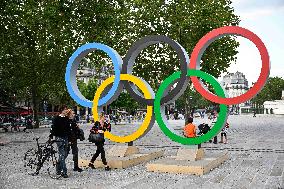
(45, 109)
(14, 103)
(190, 100)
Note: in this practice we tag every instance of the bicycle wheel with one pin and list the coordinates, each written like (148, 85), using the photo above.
(52, 164)
(31, 161)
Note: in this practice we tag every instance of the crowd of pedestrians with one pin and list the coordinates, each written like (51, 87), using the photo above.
(15, 122)
(120, 118)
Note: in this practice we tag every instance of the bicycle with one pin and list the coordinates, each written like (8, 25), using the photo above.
(45, 156)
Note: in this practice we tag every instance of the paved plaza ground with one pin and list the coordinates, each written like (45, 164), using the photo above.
(256, 148)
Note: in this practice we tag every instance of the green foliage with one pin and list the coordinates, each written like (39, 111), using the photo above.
(184, 21)
(271, 91)
(88, 90)
(194, 100)
(126, 101)
(38, 37)
(190, 22)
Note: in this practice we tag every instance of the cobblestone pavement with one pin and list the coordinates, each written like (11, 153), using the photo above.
(256, 148)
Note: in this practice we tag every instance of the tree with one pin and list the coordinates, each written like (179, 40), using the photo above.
(195, 100)
(185, 21)
(126, 101)
(204, 17)
(272, 90)
(40, 36)
(88, 90)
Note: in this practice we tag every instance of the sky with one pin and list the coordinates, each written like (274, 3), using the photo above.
(265, 18)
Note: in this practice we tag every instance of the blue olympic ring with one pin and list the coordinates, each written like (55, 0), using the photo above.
(71, 71)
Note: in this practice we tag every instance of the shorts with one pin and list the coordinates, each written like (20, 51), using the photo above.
(224, 134)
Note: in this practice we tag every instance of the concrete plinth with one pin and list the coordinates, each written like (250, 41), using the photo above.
(120, 157)
(175, 164)
(190, 154)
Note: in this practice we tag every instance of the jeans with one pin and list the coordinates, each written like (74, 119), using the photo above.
(62, 145)
(100, 150)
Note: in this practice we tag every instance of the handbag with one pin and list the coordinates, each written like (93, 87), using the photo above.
(95, 137)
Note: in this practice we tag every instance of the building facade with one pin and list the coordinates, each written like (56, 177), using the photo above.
(275, 106)
(235, 84)
(85, 74)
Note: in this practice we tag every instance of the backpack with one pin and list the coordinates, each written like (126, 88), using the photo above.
(80, 134)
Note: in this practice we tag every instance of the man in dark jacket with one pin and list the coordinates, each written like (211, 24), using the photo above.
(61, 130)
(75, 132)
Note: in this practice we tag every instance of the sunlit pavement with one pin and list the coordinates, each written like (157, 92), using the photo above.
(255, 145)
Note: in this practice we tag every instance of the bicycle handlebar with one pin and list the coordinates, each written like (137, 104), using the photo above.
(52, 141)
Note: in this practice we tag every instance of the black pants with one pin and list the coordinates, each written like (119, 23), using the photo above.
(74, 148)
(100, 150)
(215, 140)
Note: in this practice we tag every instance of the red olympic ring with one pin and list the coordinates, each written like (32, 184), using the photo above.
(215, 34)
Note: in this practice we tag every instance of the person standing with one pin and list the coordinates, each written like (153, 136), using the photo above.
(115, 118)
(214, 120)
(72, 139)
(224, 133)
(99, 129)
(88, 118)
(61, 130)
(102, 119)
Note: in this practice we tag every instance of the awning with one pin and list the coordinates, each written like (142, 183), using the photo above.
(13, 110)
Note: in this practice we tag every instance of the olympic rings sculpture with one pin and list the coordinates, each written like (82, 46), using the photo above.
(123, 78)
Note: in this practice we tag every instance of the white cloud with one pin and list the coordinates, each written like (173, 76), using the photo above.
(257, 13)
(264, 18)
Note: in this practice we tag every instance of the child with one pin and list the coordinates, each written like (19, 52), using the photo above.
(190, 129)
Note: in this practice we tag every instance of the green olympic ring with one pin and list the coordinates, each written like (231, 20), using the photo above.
(222, 117)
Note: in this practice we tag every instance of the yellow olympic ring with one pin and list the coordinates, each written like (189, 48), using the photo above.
(137, 81)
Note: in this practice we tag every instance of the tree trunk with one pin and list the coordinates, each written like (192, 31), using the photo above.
(35, 102)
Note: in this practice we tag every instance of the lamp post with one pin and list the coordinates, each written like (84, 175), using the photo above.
(14, 102)
(190, 100)
(45, 109)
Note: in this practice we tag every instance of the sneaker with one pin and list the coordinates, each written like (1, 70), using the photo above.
(64, 175)
(91, 166)
(107, 168)
(58, 173)
(78, 169)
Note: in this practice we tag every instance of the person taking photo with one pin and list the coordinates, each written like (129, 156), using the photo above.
(61, 130)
